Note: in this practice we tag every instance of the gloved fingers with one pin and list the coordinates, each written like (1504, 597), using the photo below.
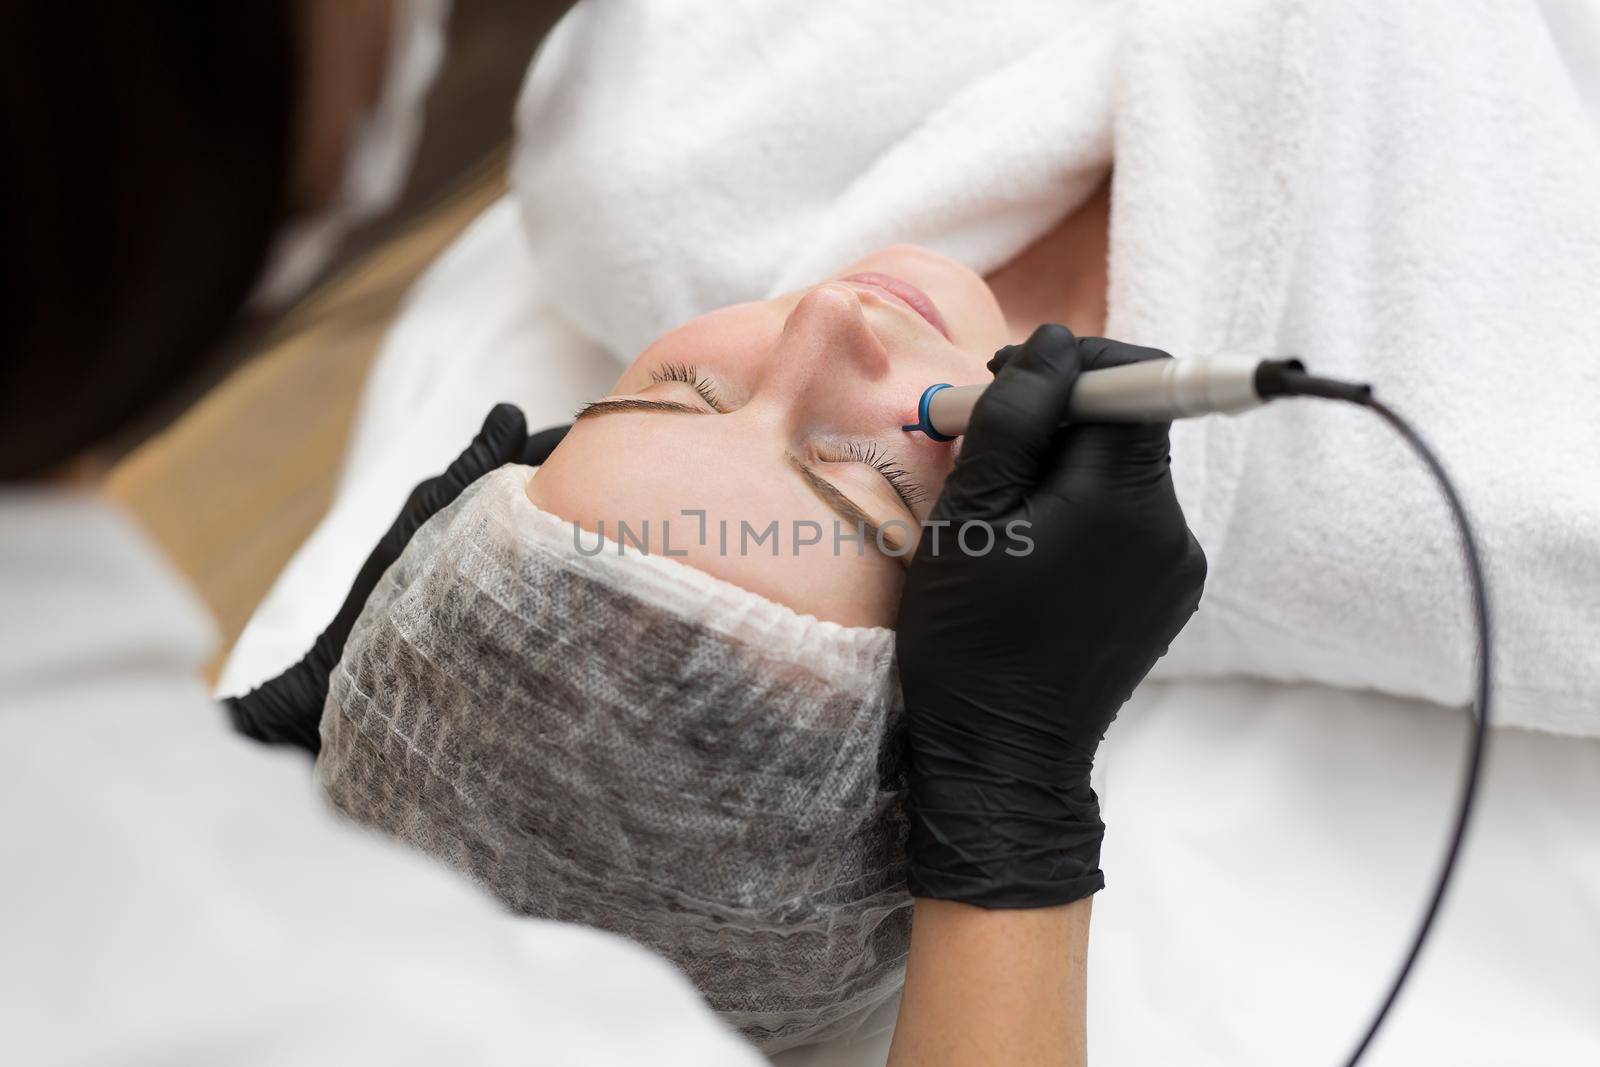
(541, 444)
(289, 707)
(1096, 352)
(501, 440)
(1014, 425)
(1104, 460)
(286, 710)
(1107, 462)
(1140, 443)
(1099, 353)
(998, 361)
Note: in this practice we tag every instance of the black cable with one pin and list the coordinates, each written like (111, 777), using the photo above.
(1290, 380)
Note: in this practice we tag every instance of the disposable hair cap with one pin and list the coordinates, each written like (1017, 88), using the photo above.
(623, 741)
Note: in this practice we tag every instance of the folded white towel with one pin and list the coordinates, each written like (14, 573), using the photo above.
(1402, 193)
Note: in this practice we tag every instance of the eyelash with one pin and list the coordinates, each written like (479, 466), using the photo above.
(897, 476)
(689, 375)
(872, 455)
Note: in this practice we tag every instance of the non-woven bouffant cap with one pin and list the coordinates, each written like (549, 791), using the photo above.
(624, 741)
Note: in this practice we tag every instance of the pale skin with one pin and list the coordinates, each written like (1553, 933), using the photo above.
(994, 986)
(801, 380)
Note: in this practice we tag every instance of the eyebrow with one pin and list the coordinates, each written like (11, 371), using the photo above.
(846, 508)
(829, 493)
(637, 403)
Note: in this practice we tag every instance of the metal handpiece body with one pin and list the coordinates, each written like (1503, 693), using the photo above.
(1157, 390)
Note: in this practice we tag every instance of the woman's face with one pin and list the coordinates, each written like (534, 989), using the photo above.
(757, 439)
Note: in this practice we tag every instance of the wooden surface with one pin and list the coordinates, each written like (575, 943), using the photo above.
(232, 488)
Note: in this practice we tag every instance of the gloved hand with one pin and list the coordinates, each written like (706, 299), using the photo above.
(288, 708)
(1014, 665)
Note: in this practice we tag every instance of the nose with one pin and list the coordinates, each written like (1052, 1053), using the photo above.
(826, 349)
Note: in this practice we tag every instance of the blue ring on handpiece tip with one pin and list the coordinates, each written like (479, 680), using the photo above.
(922, 422)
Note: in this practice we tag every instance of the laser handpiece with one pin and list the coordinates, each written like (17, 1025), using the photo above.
(1156, 390)
(1160, 390)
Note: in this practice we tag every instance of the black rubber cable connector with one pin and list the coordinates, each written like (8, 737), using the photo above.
(1288, 378)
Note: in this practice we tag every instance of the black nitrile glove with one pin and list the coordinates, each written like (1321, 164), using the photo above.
(1014, 665)
(288, 709)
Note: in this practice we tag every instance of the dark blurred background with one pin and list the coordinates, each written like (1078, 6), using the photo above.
(469, 109)
(232, 488)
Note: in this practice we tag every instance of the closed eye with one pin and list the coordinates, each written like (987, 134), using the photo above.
(910, 493)
(690, 375)
(898, 478)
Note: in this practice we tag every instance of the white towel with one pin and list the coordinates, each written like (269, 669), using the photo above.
(1402, 193)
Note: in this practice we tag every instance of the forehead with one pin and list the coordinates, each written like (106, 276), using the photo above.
(739, 331)
(728, 503)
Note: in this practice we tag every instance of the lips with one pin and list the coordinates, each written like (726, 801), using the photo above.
(902, 292)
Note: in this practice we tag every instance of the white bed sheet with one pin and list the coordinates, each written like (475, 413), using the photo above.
(1268, 846)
